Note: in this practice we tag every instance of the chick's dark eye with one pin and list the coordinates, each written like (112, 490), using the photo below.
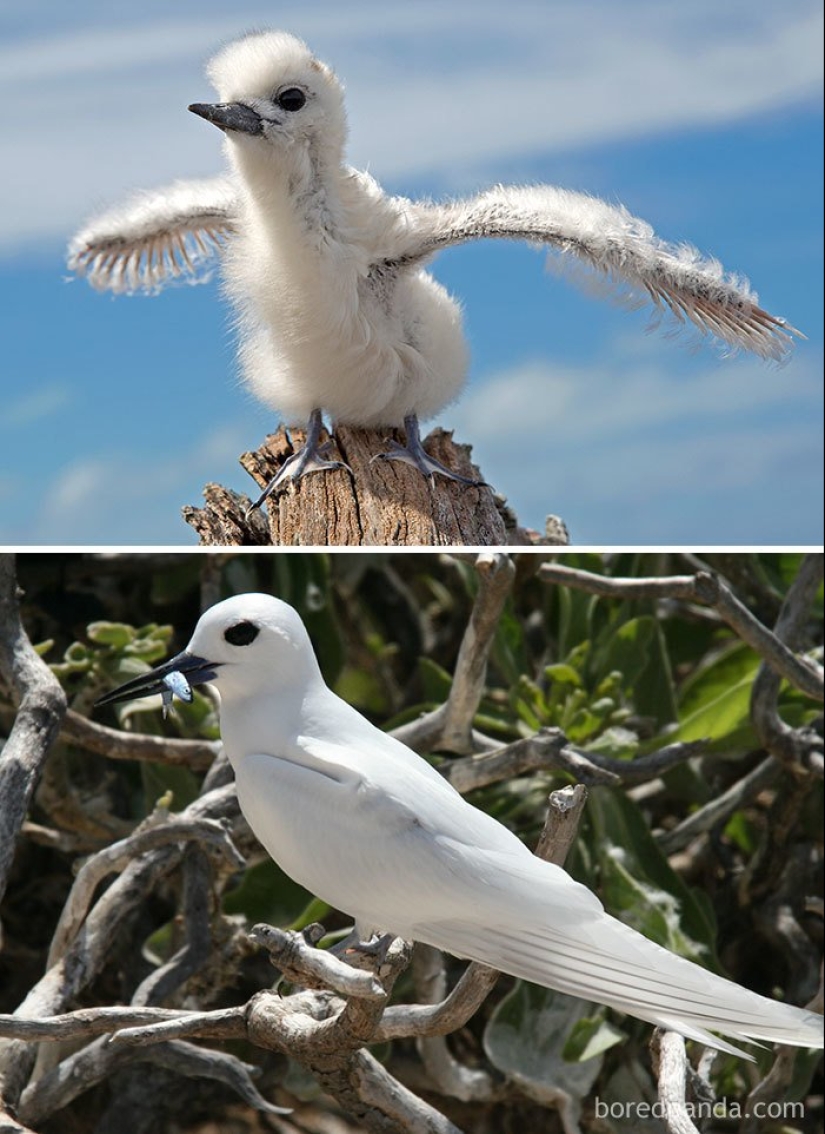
(293, 98)
(241, 634)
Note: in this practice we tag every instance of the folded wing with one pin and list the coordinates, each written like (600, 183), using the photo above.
(551, 935)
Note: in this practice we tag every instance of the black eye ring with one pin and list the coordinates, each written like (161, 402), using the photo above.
(293, 98)
(241, 634)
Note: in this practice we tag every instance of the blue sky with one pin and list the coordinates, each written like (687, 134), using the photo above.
(703, 119)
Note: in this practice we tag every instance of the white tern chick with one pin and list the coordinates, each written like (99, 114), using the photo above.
(364, 823)
(335, 309)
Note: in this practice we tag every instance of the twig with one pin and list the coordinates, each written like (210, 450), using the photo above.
(709, 590)
(450, 726)
(550, 748)
(42, 704)
(223, 1023)
(495, 573)
(99, 1059)
(718, 809)
(773, 1087)
(158, 830)
(88, 952)
(302, 963)
(118, 745)
(671, 1065)
(197, 919)
(83, 1023)
(446, 1073)
(791, 746)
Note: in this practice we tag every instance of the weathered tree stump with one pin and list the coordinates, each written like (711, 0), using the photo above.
(386, 503)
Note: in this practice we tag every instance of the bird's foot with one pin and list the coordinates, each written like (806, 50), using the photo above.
(370, 954)
(308, 459)
(414, 453)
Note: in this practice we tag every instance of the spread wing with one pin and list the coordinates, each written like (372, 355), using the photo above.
(618, 246)
(156, 237)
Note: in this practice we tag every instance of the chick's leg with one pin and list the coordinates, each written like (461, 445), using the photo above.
(413, 453)
(309, 458)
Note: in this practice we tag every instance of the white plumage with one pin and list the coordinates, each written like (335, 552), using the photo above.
(363, 822)
(337, 313)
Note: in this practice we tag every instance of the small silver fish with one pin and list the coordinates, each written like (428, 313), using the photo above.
(176, 686)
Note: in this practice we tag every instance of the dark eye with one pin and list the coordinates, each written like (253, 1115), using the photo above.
(241, 634)
(293, 98)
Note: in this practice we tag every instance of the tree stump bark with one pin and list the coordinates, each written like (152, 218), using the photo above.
(387, 504)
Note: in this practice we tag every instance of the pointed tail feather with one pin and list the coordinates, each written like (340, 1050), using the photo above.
(604, 960)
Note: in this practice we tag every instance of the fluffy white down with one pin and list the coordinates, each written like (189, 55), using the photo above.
(325, 270)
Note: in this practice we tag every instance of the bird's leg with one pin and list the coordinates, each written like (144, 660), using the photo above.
(413, 453)
(372, 952)
(308, 459)
(352, 948)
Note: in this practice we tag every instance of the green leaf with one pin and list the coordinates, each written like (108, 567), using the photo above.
(716, 704)
(436, 682)
(267, 894)
(591, 1036)
(527, 1035)
(116, 634)
(563, 674)
(638, 884)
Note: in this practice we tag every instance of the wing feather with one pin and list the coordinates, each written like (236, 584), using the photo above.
(618, 247)
(601, 959)
(156, 237)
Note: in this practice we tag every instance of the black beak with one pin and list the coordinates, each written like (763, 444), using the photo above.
(194, 669)
(232, 116)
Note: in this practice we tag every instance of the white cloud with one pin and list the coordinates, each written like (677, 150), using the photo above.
(433, 89)
(627, 443)
(41, 403)
(131, 497)
(627, 391)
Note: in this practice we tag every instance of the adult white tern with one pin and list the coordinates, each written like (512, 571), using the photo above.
(364, 823)
(336, 313)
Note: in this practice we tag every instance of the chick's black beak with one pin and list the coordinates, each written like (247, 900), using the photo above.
(233, 116)
(196, 671)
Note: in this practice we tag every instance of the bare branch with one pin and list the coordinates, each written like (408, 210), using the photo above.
(99, 1059)
(116, 744)
(561, 825)
(773, 1087)
(36, 726)
(709, 590)
(302, 963)
(719, 809)
(671, 1066)
(83, 1023)
(450, 726)
(793, 747)
(88, 952)
(449, 1076)
(197, 919)
(223, 1023)
(157, 830)
(550, 748)
(495, 573)
(547, 749)
(331, 1047)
